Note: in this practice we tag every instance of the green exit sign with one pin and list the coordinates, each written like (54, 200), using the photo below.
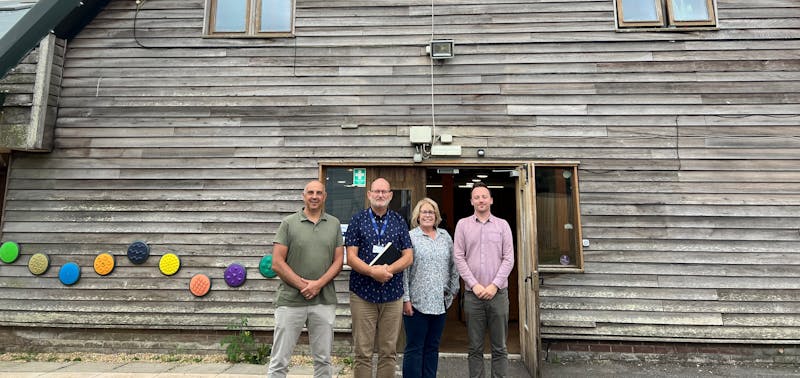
(360, 177)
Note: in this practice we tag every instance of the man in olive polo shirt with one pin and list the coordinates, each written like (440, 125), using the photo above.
(307, 254)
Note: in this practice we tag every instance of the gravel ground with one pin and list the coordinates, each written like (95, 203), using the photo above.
(111, 357)
(124, 357)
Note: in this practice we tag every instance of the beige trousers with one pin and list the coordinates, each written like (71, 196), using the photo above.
(375, 324)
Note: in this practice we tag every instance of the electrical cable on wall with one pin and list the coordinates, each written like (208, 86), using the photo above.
(139, 5)
(433, 102)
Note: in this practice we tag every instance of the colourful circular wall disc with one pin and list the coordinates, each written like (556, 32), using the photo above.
(235, 275)
(38, 263)
(104, 264)
(169, 264)
(200, 285)
(69, 273)
(265, 267)
(138, 252)
(9, 252)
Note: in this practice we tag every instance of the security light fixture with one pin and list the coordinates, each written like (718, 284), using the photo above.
(441, 49)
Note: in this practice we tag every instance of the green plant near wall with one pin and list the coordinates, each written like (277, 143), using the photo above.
(242, 346)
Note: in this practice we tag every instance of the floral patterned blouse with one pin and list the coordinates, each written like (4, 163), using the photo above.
(431, 282)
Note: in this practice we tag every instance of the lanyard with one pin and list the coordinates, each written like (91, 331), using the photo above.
(375, 225)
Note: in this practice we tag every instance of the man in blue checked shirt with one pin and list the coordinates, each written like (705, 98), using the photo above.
(376, 292)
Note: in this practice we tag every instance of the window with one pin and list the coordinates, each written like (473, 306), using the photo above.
(10, 13)
(558, 233)
(249, 18)
(651, 13)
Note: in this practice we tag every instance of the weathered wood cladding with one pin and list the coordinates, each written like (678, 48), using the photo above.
(688, 143)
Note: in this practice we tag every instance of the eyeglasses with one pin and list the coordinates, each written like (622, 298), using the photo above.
(427, 212)
(382, 192)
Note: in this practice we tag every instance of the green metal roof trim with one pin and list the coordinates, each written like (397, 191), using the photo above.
(64, 17)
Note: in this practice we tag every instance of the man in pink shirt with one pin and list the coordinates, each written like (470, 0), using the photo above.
(484, 255)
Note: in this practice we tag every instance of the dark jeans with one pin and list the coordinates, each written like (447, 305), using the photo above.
(423, 334)
(491, 314)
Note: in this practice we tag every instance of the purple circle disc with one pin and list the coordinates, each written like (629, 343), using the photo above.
(235, 275)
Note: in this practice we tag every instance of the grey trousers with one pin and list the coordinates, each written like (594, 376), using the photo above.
(491, 314)
(289, 322)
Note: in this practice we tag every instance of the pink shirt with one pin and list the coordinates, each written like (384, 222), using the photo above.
(483, 252)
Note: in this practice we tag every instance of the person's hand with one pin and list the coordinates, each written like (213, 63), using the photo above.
(312, 289)
(381, 273)
(478, 290)
(407, 309)
(489, 292)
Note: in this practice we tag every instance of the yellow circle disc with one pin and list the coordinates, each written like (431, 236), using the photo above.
(169, 264)
(38, 263)
(104, 264)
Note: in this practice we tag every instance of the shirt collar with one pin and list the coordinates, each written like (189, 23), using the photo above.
(475, 218)
(304, 217)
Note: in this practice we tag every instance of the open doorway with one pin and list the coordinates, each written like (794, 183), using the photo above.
(451, 188)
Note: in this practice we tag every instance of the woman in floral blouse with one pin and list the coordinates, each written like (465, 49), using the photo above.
(429, 284)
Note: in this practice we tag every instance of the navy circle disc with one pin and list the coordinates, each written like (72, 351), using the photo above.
(138, 252)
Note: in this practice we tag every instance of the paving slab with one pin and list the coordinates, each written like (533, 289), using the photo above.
(90, 367)
(144, 367)
(247, 369)
(20, 374)
(32, 366)
(200, 368)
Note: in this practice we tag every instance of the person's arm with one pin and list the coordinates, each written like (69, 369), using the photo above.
(507, 254)
(403, 262)
(315, 286)
(460, 257)
(407, 309)
(404, 241)
(453, 272)
(286, 274)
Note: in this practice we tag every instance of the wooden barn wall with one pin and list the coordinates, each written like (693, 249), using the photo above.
(688, 143)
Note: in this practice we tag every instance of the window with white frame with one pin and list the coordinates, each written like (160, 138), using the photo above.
(665, 13)
(249, 18)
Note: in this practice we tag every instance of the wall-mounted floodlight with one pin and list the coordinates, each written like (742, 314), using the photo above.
(441, 49)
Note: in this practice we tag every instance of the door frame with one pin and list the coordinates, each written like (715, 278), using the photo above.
(528, 275)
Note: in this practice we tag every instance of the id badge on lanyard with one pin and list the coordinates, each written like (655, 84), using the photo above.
(377, 248)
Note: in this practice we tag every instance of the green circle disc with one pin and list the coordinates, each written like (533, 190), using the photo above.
(9, 252)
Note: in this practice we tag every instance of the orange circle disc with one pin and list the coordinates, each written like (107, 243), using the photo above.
(200, 285)
(104, 264)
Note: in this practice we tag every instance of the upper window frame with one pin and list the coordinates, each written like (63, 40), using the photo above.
(710, 21)
(253, 12)
(666, 18)
(656, 23)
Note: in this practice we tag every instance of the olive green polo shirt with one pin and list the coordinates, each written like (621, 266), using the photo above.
(311, 249)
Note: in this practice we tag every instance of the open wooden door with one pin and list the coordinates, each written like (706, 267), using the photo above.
(528, 270)
(408, 187)
(407, 183)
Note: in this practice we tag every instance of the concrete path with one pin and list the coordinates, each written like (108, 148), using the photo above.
(450, 366)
